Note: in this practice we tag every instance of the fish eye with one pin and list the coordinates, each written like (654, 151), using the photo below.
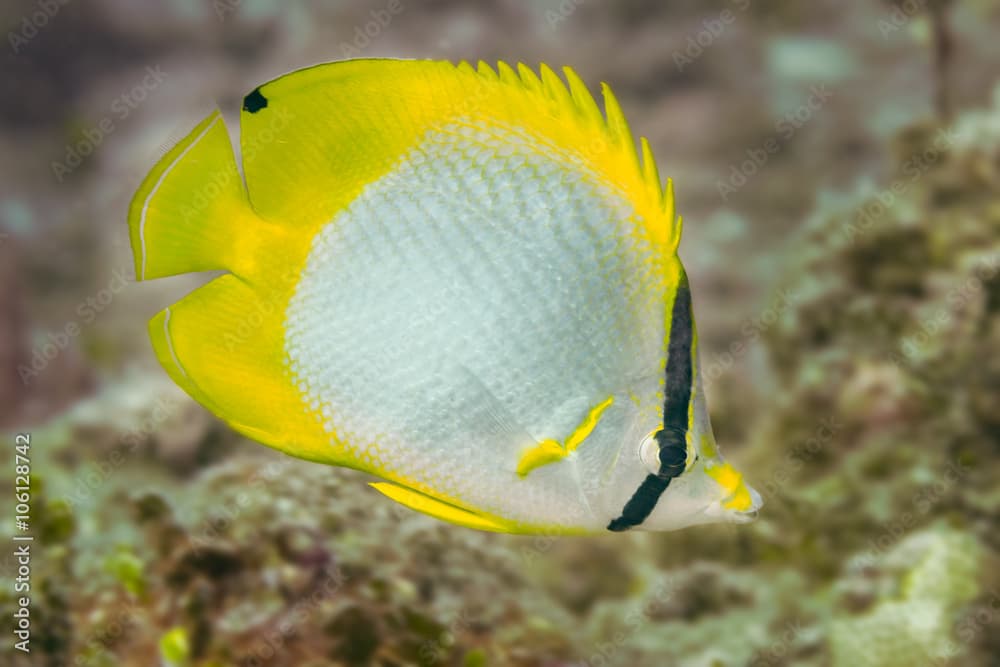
(649, 452)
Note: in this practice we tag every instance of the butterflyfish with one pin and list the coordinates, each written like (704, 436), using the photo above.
(461, 279)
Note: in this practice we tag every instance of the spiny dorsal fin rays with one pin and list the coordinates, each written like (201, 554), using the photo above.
(485, 71)
(555, 88)
(466, 67)
(507, 74)
(670, 211)
(582, 98)
(529, 79)
(574, 96)
(618, 126)
(668, 200)
(649, 171)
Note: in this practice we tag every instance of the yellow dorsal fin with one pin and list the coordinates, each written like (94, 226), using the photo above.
(485, 71)
(617, 125)
(582, 98)
(649, 171)
(529, 79)
(554, 88)
(312, 139)
(613, 136)
(507, 74)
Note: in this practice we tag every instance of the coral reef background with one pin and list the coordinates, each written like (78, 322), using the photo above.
(838, 168)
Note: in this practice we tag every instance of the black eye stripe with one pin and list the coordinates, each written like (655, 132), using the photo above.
(676, 403)
(641, 503)
(673, 451)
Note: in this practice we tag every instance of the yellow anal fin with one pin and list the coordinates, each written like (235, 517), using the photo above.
(224, 345)
(439, 509)
(550, 451)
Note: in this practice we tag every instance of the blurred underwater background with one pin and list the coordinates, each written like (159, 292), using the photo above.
(837, 165)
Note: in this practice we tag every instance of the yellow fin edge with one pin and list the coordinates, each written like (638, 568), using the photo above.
(550, 451)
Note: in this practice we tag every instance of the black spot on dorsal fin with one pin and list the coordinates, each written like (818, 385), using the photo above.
(255, 101)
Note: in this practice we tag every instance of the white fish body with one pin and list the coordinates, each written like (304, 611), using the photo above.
(491, 315)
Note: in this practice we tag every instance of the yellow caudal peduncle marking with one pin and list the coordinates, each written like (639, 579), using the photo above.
(737, 494)
(550, 451)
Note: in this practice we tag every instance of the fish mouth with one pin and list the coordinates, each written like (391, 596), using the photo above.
(749, 514)
(738, 505)
(743, 517)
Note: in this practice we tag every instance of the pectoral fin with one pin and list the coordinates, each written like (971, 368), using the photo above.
(550, 451)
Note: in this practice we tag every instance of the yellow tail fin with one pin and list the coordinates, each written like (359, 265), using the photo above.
(224, 342)
(186, 214)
